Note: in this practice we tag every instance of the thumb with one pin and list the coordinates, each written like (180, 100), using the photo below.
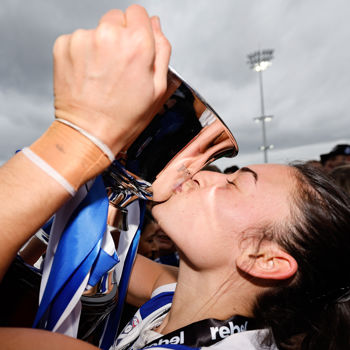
(162, 57)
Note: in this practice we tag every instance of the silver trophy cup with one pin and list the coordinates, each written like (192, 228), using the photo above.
(184, 135)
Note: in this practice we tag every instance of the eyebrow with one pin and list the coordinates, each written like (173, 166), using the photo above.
(248, 170)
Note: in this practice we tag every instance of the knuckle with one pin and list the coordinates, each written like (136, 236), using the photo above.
(161, 89)
(113, 16)
(142, 40)
(167, 45)
(135, 8)
(163, 45)
(115, 13)
(105, 32)
(79, 35)
(60, 44)
(79, 39)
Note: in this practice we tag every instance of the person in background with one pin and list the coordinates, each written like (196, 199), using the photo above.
(148, 245)
(339, 155)
(167, 251)
(315, 163)
(341, 176)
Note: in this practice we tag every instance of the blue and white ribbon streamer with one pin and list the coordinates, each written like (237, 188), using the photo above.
(75, 258)
(127, 249)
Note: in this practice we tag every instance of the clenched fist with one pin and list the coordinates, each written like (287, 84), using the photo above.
(106, 80)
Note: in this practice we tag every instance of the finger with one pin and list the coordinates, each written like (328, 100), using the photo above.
(162, 56)
(114, 17)
(136, 17)
(61, 57)
(109, 25)
(61, 46)
(80, 48)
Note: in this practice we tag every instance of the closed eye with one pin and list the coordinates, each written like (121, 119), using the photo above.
(231, 182)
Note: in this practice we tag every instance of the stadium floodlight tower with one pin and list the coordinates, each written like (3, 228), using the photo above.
(260, 61)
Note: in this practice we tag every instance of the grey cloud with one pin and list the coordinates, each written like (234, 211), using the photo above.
(305, 89)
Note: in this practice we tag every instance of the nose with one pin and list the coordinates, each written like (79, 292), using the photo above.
(209, 178)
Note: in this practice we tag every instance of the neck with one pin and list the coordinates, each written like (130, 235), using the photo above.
(207, 294)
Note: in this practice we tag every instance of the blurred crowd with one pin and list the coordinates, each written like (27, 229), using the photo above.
(336, 164)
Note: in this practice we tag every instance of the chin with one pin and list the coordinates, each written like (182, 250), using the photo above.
(159, 208)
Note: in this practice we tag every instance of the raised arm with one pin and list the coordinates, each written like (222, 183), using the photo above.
(106, 82)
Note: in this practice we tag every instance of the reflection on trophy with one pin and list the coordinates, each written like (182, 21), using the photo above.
(185, 135)
(210, 143)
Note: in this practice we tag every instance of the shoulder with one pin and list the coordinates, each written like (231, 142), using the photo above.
(147, 276)
(161, 300)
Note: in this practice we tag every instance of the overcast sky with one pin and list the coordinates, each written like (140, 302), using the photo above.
(306, 88)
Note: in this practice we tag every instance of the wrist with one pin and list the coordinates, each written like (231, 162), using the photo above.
(99, 125)
(70, 153)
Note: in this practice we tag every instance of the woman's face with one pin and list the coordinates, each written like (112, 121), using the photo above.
(208, 216)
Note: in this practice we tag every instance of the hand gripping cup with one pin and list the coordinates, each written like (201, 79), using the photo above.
(185, 135)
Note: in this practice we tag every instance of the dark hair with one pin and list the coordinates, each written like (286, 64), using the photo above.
(212, 167)
(312, 311)
(341, 176)
(232, 169)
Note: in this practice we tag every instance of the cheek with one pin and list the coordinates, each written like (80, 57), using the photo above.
(235, 218)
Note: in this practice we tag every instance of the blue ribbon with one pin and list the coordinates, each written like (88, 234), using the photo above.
(104, 262)
(113, 320)
(76, 253)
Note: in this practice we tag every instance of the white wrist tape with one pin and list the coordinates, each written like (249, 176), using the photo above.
(48, 170)
(103, 147)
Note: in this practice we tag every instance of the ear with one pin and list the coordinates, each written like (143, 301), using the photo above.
(271, 262)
